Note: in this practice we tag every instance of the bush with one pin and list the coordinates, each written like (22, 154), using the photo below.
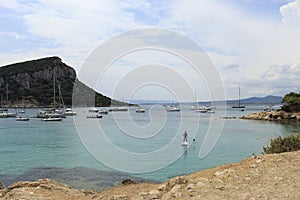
(285, 144)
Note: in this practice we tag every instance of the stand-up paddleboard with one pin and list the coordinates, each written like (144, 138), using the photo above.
(185, 143)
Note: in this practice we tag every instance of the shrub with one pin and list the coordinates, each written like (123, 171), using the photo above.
(283, 144)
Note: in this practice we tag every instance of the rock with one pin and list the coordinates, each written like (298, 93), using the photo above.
(119, 197)
(253, 166)
(1, 186)
(222, 173)
(259, 160)
(178, 180)
(190, 186)
(162, 187)
(201, 184)
(153, 194)
(127, 181)
(176, 188)
(167, 196)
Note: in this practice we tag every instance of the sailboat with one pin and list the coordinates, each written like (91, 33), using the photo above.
(4, 111)
(52, 114)
(239, 101)
(22, 110)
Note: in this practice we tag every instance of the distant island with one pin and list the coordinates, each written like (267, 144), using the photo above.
(30, 84)
(270, 99)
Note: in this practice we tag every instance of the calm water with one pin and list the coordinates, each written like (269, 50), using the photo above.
(37, 147)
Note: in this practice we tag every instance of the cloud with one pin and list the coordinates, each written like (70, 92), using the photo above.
(247, 46)
(291, 13)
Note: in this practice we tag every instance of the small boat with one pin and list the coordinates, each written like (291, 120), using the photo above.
(202, 110)
(21, 111)
(140, 110)
(173, 109)
(19, 118)
(3, 114)
(70, 112)
(103, 112)
(93, 110)
(94, 116)
(51, 119)
(117, 109)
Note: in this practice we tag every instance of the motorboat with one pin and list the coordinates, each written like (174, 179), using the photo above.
(4, 114)
(19, 118)
(94, 116)
(93, 110)
(173, 109)
(51, 119)
(70, 112)
(140, 110)
(118, 109)
(103, 111)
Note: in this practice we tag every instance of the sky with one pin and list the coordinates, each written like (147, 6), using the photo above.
(253, 44)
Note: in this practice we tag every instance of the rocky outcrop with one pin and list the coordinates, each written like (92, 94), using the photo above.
(273, 116)
(273, 176)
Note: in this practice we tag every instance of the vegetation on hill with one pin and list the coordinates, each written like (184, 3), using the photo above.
(292, 102)
(32, 83)
(283, 144)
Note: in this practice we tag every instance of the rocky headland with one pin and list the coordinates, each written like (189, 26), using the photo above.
(32, 83)
(273, 116)
(272, 176)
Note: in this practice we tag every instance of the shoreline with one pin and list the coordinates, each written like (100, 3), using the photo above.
(273, 116)
(260, 177)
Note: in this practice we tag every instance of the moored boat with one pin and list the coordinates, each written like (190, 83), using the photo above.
(118, 109)
(173, 109)
(70, 112)
(94, 116)
(93, 110)
(140, 110)
(51, 119)
(19, 118)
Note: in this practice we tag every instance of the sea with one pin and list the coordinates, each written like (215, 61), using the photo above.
(97, 153)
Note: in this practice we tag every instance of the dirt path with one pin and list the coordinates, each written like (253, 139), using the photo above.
(275, 176)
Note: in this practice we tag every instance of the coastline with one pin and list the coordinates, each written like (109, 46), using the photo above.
(260, 177)
(273, 116)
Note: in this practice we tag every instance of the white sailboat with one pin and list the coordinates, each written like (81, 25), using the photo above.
(52, 114)
(239, 101)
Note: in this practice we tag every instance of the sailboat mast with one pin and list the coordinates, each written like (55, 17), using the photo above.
(239, 96)
(6, 93)
(54, 87)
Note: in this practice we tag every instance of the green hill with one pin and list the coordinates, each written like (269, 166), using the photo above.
(32, 82)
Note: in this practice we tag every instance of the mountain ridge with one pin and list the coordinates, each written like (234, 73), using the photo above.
(269, 99)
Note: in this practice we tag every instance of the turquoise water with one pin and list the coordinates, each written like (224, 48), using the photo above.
(34, 144)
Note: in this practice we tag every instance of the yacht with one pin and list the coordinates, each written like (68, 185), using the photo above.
(118, 109)
(173, 109)
(70, 112)
(140, 110)
(93, 110)
(103, 111)
(51, 119)
(19, 118)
